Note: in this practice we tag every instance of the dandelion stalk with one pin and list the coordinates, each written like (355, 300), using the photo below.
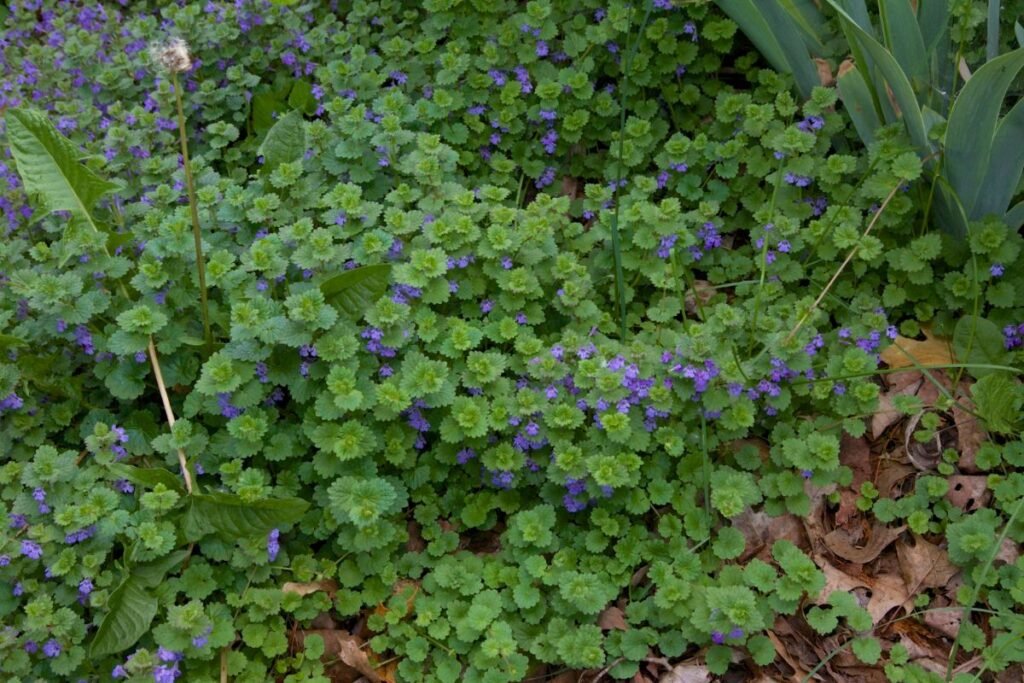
(194, 209)
(165, 399)
(174, 58)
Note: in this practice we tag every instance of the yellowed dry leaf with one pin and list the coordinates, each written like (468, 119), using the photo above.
(887, 591)
(612, 618)
(932, 351)
(924, 564)
(840, 543)
(329, 586)
(687, 673)
(846, 67)
(824, 72)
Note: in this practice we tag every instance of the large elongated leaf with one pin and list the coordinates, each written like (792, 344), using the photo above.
(49, 168)
(285, 141)
(231, 517)
(892, 73)
(148, 476)
(972, 129)
(150, 574)
(131, 611)
(1004, 165)
(355, 291)
(903, 36)
(977, 340)
(778, 37)
(856, 96)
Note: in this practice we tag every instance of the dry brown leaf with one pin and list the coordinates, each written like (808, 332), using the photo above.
(824, 72)
(846, 67)
(612, 618)
(969, 433)
(329, 586)
(923, 564)
(945, 621)
(965, 71)
(907, 384)
(350, 661)
(887, 591)
(855, 454)
(840, 543)
(968, 492)
(931, 351)
(687, 673)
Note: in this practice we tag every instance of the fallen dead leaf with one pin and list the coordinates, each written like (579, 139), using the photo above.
(687, 673)
(612, 618)
(887, 591)
(329, 586)
(923, 564)
(855, 454)
(903, 352)
(946, 622)
(824, 72)
(969, 433)
(847, 66)
(350, 660)
(840, 543)
(886, 414)
(969, 492)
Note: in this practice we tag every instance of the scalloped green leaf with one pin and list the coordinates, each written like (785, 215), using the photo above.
(355, 291)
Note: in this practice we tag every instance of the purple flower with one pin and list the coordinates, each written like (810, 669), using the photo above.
(165, 655)
(119, 672)
(486, 306)
(80, 535)
(203, 638)
(124, 486)
(85, 587)
(541, 49)
(736, 632)
(51, 648)
(30, 646)
(546, 178)
(666, 244)
(5, 560)
(498, 77)
(17, 521)
(261, 373)
(796, 180)
(573, 504)
(273, 544)
(11, 402)
(227, 409)
(465, 455)
(502, 479)
(31, 550)
(717, 637)
(806, 474)
(398, 77)
(18, 589)
(166, 674)
(996, 270)
(84, 339)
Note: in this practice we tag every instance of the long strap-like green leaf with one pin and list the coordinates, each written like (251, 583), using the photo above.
(49, 169)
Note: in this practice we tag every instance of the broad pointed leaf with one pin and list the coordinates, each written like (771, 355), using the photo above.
(355, 291)
(893, 74)
(856, 96)
(903, 36)
(148, 476)
(231, 517)
(131, 609)
(150, 574)
(979, 341)
(778, 37)
(285, 141)
(973, 121)
(1004, 166)
(49, 168)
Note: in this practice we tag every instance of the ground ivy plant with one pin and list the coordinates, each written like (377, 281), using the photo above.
(512, 311)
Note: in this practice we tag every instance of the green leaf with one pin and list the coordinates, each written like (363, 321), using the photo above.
(355, 291)
(230, 516)
(867, 649)
(130, 612)
(778, 37)
(265, 106)
(150, 574)
(761, 649)
(48, 166)
(856, 96)
(301, 97)
(285, 142)
(9, 341)
(903, 36)
(972, 129)
(148, 476)
(979, 341)
(1004, 166)
(891, 73)
(998, 399)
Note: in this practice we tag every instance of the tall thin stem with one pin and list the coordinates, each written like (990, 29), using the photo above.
(165, 399)
(193, 206)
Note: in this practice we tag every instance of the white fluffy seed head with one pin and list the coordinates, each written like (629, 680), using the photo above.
(172, 56)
